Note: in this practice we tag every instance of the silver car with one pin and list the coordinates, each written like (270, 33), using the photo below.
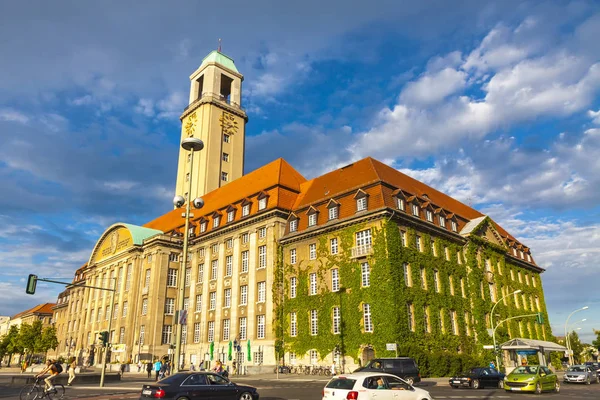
(581, 374)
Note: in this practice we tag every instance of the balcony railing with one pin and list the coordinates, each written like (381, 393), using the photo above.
(362, 250)
(214, 96)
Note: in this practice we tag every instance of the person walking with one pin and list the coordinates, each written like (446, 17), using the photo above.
(157, 368)
(149, 369)
(71, 371)
(139, 365)
(234, 368)
(333, 369)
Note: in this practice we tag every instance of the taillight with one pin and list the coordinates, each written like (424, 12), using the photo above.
(352, 396)
(159, 394)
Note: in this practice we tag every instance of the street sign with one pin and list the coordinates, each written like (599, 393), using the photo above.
(390, 346)
(488, 346)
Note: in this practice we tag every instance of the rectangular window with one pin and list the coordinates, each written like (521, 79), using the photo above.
(245, 258)
(446, 253)
(451, 284)
(125, 307)
(429, 215)
(363, 238)
(197, 332)
(262, 203)
(214, 267)
(173, 257)
(260, 326)
(367, 318)
(172, 277)
(262, 232)
(333, 244)
(333, 213)
(441, 320)
(201, 273)
(167, 334)
(365, 274)
(462, 287)
(411, 316)
(418, 242)
(211, 331)
(230, 215)
(225, 157)
(183, 334)
(262, 257)
(128, 279)
(201, 252)
(243, 295)
(335, 280)
(212, 300)
(423, 279)
(293, 284)
(293, 325)
(452, 315)
(245, 238)
(312, 219)
(228, 265)
(314, 323)
(314, 357)
(262, 292)
(203, 226)
(245, 210)
(215, 249)
(169, 306)
(415, 210)
(188, 276)
(227, 297)
(293, 225)
(361, 204)
(226, 329)
(454, 226)
(336, 320)
(226, 138)
(436, 280)
(312, 251)
(433, 250)
(116, 311)
(293, 256)
(467, 324)
(198, 303)
(144, 306)
(142, 334)
(242, 332)
(216, 221)
(492, 292)
(400, 204)
(147, 280)
(407, 277)
(442, 221)
(403, 238)
(313, 284)
(426, 325)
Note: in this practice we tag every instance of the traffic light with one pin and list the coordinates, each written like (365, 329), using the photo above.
(104, 337)
(31, 284)
(540, 318)
(497, 348)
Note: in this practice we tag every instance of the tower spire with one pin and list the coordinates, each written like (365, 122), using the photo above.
(219, 48)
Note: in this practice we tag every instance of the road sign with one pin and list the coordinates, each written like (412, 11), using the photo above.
(488, 346)
(390, 346)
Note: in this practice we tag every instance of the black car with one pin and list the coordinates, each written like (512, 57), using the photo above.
(594, 365)
(478, 378)
(197, 385)
(403, 367)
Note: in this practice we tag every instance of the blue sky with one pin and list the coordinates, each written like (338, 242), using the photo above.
(495, 103)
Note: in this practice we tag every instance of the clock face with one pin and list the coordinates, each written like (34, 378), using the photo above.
(190, 125)
(228, 123)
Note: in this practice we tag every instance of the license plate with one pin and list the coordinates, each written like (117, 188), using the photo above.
(147, 392)
(516, 389)
(455, 381)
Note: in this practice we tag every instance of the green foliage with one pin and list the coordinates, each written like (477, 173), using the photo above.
(576, 346)
(439, 351)
(28, 339)
(596, 342)
(48, 340)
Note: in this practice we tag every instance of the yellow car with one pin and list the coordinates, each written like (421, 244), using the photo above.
(531, 378)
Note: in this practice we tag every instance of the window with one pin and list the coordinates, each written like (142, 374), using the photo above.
(415, 210)
(172, 277)
(441, 320)
(226, 138)
(492, 292)
(226, 329)
(418, 242)
(125, 306)
(333, 245)
(293, 225)
(212, 297)
(403, 237)
(467, 324)
(333, 212)
(293, 325)
(230, 215)
(128, 278)
(142, 334)
(407, 277)
(245, 210)
(115, 311)
(429, 215)
(293, 256)
(183, 334)
(313, 284)
(446, 253)
(433, 250)
(363, 238)
(167, 334)
(228, 265)
(186, 303)
(335, 280)
(314, 357)
(367, 318)
(197, 332)
(423, 279)
(452, 315)
(243, 295)
(400, 203)
(520, 277)
(293, 285)
(436, 280)
(262, 291)
(528, 257)
(245, 257)
(533, 281)
(169, 306)
(216, 221)
(200, 272)
(211, 331)
(426, 325)
(451, 284)
(454, 226)
(147, 280)
(262, 203)
(173, 257)
(411, 316)
(224, 176)
(442, 221)
(314, 323)
(198, 303)
(225, 157)
(214, 268)
(260, 326)
(203, 227)
(336, 320)
(527, 279)
(365, 274)
(187, 177)
(245, 238)
(144, 306)
(521, 254)
(99, 315)
(262, 257)
(312, 251)
(227, 298)
(188, 276)
(312, 219)
(242, 332)
(361, 204)
(215, 249)
(262, 232)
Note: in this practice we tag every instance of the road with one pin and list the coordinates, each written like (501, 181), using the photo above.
(294, 388)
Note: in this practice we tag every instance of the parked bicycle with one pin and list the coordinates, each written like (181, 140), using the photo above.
(37, 391)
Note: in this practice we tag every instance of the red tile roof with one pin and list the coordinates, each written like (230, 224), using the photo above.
(45, 308)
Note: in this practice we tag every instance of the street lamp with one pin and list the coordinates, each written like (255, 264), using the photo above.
(567, 341)
(492, 323)
(189, 144)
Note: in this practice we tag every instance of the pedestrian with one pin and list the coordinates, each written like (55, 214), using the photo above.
(201, 366)
(139, 365)
(492, 365)
(168, 369)
(192, 367)
(157, 367)
(333, 369)
(122, 369)
(149, 369)
(218, 368)
(71, 371)
(234, 369)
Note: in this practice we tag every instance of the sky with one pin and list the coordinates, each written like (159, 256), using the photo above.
(496, 103)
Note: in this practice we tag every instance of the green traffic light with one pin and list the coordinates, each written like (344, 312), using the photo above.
(31, 284)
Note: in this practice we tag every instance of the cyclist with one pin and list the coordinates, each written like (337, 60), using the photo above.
(53, 371)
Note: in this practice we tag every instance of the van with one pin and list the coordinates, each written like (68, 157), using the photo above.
(403, 367)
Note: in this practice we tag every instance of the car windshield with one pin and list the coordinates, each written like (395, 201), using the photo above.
(576, 368)
(525, 370)
(341, 383)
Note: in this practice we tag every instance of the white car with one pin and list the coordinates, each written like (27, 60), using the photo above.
(371, 386)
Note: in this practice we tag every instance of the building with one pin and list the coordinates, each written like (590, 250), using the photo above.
(281, 267)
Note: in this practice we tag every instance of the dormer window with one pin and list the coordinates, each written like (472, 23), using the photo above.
(454, 226)
(361, 204)
(521, 254)
(442, 221)
(333, 213)
(415, 209)
(216, 221)
(191, 231)
(514, 252)
(230, 215)
(528, 258)
(401, 204)
(262, 203)
(203, 227)
(429, 215)
(293, 225)
(245, 210)
(312, 219)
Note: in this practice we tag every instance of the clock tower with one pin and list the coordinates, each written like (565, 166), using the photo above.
(215, 116)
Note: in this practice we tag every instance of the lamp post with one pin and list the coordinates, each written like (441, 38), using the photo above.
(567, 341)
(189, 144)
(492, 323)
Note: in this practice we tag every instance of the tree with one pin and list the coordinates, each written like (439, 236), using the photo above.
(48, 340)
(576, 345)
(596, 343)
(12, 342)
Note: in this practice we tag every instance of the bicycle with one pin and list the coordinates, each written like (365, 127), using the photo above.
(35, 391)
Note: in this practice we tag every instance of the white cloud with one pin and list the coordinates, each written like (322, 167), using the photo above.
(10, 115)
(595, 116)
(171, 106)
(433, 88)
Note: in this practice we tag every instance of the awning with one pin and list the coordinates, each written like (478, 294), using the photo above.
(531, 344)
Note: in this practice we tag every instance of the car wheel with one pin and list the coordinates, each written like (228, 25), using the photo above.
(500, 384)
(476, 384)
(538, 388)
(557, 387)
(245, 396)
(182, 398)
(409, 380)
